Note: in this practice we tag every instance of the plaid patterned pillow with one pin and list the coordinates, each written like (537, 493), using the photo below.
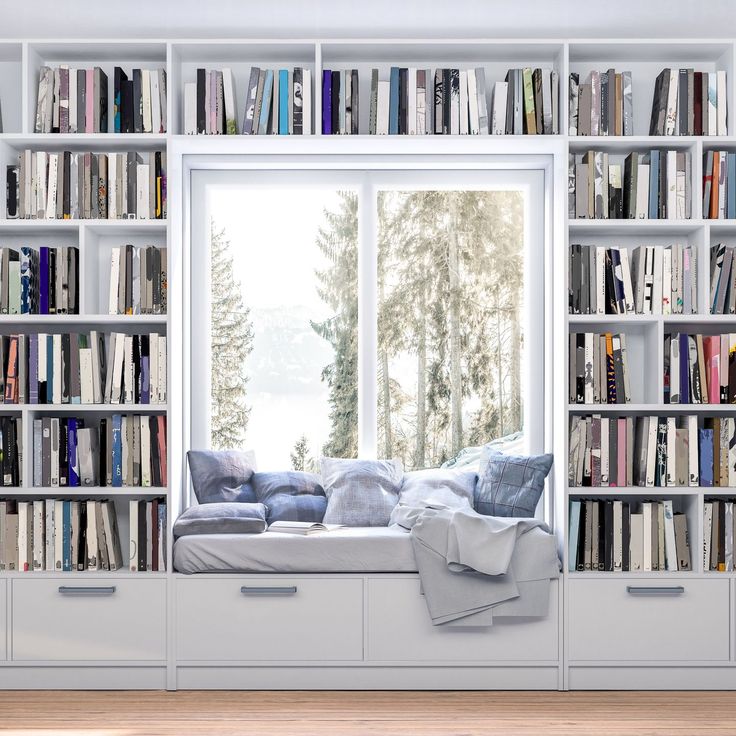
(290, 495)
(511, 485)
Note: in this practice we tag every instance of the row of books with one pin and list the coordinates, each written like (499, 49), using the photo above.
(11, 446)
(722, 279)
(138, 280)
(64, 535)
(39, 281)
(647, 280)
(124, 450)
(700, 369)
(654, 185)
(686, 102)
(718, 535)
(106, 186)
(609, 536)
(76, 100)
(599, 369)
(527, 103)
(719, 185)
(83, 368)
(652, 451)
(602, 105)
(341, 102)
(278, 102)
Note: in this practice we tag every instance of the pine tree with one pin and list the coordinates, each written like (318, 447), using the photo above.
(300, 458)
(338, 241)
(232, 342)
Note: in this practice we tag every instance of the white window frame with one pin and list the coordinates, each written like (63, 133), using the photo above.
(532, 174)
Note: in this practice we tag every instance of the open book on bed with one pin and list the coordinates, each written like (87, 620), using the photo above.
(302, 527)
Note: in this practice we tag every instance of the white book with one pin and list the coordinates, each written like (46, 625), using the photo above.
(59, 535)
(657, 281)
(145, 454)
(712, 102)
(109, 363)
(382, 106)
(85, 376)
(721, 103)
(114, 279)
(671, 206)
(55, 454)
(670, 549)
(42, 357)
(136, 260)
(58, 369)
(128, 371)
(651, 451)
(480, 83)
(51, 190)
(626, 276)
(39, 542)
(588, 351)
(50, 533)
(93, 557)
(728, 509)
(162, 363)
(675, 370)
(411, 100)
(112, 187)
(666, 281)
(190, 108)
(598, 293)
(646, 509)
(25, 553)
(693, 466)
(155, 103)
(153, 368)
(72, 100)
(605, 454)
(133, 526)
(671, 109)
(149, 536)
(707, 531)
(96, 376)
(117, 369)
(147, 119)
(306, 102)
(473, 113)
(231, 114)
(142, 192)
(642, 192)
(732, 452)
(617, 535)
(275, 109)
(463, 102)
(636, 547)
(498, 114)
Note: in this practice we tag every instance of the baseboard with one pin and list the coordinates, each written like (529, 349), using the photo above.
(652, 678)
(367, 678)
(82, 678)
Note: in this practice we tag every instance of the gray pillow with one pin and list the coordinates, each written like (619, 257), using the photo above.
(360, 492)
(221, 475)
(290, 496)
(222, 518)
(451, 488)
(511, 485)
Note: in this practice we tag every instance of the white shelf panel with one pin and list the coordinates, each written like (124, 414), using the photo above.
(653, 408)
(86, 408)
(77, 141)
(62, 320)
(626, 144)
(28, 226)
(86, 574)
(616, 491)
(629, 227)
(84, 491)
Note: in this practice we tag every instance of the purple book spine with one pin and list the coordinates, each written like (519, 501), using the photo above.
(33, 377)
(684, 369)
(326, 102)
(145, 380)
(72, 450)
(43, 296)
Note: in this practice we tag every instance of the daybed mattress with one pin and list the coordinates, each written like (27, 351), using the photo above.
(353, 549)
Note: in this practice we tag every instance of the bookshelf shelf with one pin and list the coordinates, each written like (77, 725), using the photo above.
(652, 408)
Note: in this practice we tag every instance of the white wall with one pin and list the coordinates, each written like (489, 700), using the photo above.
(251, 18)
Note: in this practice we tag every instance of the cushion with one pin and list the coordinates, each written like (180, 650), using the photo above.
(511, 485)
(222, 518)
(290, 496)
(438, 487)
(360, 492)
(221, 475)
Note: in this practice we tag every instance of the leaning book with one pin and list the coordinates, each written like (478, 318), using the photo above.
(302, 527)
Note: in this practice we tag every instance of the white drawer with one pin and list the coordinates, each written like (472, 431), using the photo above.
(634, 620)
(109, 619)
(400, 629)
(269, 619)
(3, 630)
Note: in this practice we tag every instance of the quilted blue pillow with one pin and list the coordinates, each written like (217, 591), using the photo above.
(290, 495)
(221, 476)
(511, 485)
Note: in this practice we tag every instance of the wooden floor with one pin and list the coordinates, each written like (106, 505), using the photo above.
(350, 713)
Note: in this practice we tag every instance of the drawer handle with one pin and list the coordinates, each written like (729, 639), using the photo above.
(655, 590)
(269, 590)
(87, 589)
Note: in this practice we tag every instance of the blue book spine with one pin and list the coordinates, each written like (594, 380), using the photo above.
(705, 440)
(66, 539)
(43, 287)
(731, 186)
(654, 185)
(25, 280)
(393, 109)
(572, 549)
(327, 102)
(72, 450)
(283, 102)
(33, 369)
(267, 102)
(49, 369)
(117, 450)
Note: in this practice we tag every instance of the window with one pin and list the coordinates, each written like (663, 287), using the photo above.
(373, 313)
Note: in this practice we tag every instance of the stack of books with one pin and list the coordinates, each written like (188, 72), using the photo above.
(719, 185)
(124, 450)
(602, 105)
(138, 280)
(139, 103)
(722, 279)
(527, 103)
(718, 535)
(599, 369)
(341, 103)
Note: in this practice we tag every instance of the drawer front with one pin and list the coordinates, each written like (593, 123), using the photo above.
(102, 619)
(3, 615)
(269, 619)
(636, 620)
(399, 629)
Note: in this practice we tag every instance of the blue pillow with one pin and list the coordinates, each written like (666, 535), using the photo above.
(221, 476)
(290, 495)
(222, 518)
(511, 485)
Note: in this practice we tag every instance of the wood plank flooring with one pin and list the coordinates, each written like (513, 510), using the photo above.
(215, 713)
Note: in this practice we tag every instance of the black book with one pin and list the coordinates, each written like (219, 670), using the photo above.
(7, 459)
(403, 100)
(355, 101)
(119, 79)
(73, 266)
(66, 376)
(94, 201)
(662, 193)
(201, 110)
(128, 279)
(12, 191)
(631, 167)
(155, 460)
(52, 280)
(604, 126)
(142, 536)
(103, 458)
(510, 90)
(298, 101)
(102, 102)
(682, 117)
(721, 536)
(602, 534)
(585, 281)
(580, 368)
(610, 288)
(335, 111)
(81, 100)
(574, 288)
(439, 101)
(13, 449)
(137, 369)
(613, 479)
(625, 535)
(615, 202)
(660, 470)
(660, 92)
(137, 101)
(608, 534)
(82, 540)
(446, 100)
(63, 452)
(67, 184)
(537, 85)
(580, 552)
(126, 111)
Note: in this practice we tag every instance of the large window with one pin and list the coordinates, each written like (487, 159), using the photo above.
(366, 313)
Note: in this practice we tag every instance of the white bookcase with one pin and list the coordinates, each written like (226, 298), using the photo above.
(596, 612)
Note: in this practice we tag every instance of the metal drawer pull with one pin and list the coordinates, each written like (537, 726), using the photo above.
(87, 589)
(276, 590)
(655, 590)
